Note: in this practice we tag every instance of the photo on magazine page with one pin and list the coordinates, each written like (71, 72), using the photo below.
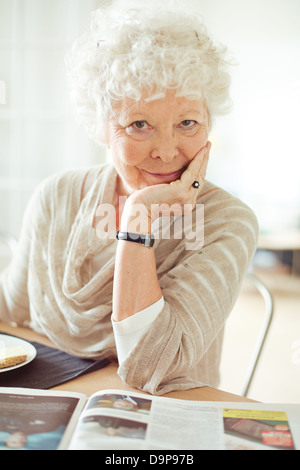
(29, 422)
(113, 421)
(257, 429)
(118, 401)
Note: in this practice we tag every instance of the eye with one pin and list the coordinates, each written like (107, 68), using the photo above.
(188, 124)
(139, 125)
(139, 130)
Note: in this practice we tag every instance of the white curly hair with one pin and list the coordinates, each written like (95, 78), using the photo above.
(137, 47)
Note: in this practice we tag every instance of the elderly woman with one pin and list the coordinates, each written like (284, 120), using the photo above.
(147, 82)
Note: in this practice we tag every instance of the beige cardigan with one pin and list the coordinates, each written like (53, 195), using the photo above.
(49, 285)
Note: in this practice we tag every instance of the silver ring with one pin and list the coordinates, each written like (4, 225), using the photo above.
(196, 184)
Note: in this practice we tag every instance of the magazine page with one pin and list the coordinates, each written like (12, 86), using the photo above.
(223, 426)
(37, 419)
(120, 420)
(261, 426)
(124, 420)
(113, 419)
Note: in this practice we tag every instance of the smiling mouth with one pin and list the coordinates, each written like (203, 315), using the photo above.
(171, 176)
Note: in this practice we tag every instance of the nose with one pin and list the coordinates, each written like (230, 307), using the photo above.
(165, 146)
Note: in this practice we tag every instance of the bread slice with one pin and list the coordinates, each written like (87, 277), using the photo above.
(10, 357)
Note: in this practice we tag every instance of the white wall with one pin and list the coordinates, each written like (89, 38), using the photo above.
(256, 149)
(38, 135)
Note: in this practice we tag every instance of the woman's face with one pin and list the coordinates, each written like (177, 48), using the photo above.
(152, 142)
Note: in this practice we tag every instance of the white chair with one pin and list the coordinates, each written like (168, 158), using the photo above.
(263, 333)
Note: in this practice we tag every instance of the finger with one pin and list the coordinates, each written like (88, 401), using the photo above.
(194, 168)
(199, 180)
(205, 160)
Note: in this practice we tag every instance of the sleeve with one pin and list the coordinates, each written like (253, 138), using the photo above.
(129, 331)
(15, 279)
(14, 303)
(199, 293)
(14, 300)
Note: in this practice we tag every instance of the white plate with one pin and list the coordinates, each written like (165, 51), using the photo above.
(12, 342)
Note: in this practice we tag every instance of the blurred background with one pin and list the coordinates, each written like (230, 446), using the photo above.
(255, 153)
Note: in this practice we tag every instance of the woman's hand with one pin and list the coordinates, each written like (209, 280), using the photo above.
(178, 197)
(136, 284)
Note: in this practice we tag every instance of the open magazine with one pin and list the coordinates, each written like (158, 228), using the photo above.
(117, 419)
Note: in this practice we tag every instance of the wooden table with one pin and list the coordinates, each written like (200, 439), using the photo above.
(107, 378)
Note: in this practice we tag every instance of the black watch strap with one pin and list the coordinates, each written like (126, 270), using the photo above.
(146, 240)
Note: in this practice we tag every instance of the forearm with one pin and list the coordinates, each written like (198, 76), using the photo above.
(136, 285)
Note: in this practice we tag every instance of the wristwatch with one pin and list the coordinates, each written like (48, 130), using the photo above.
(145, 240)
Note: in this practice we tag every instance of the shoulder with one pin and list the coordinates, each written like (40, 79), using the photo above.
(68, 179)
(227, 217)
(69, 184)
(221, 204)
(59, 193)
(214, 196)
